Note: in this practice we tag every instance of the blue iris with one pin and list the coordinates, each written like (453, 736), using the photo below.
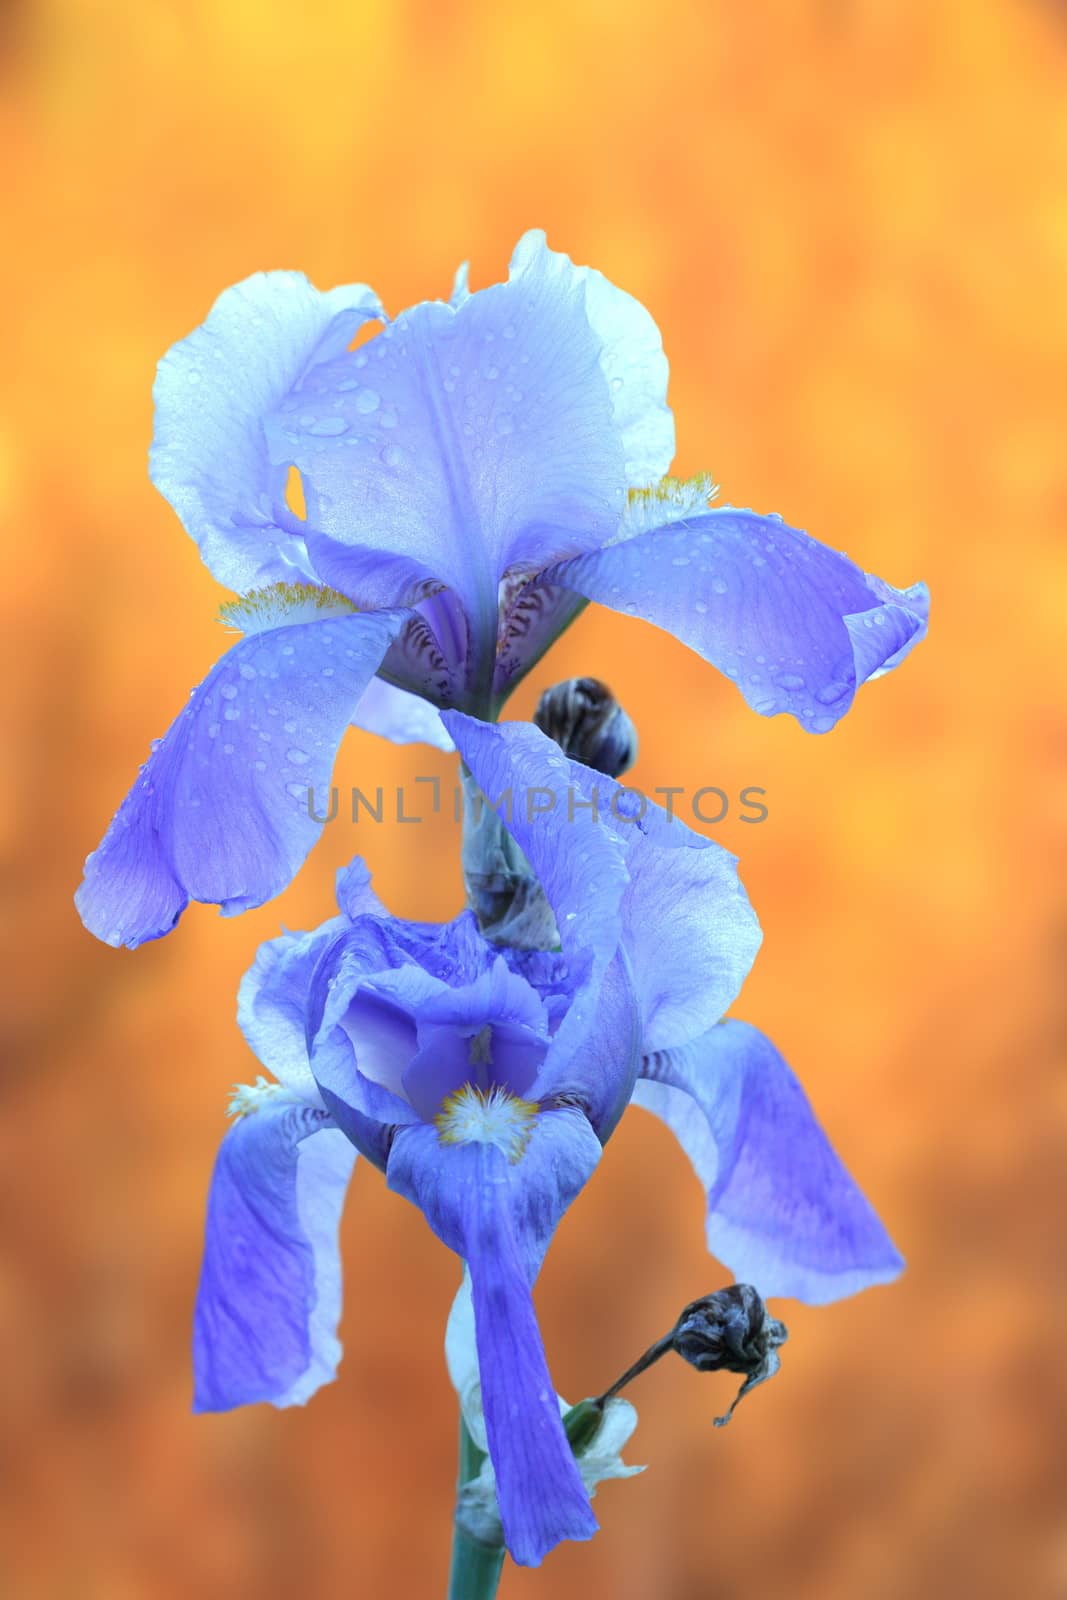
(484, 1080)
(472, 476)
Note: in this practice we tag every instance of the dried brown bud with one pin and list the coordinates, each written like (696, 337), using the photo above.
(589, 725)
(730, 1331)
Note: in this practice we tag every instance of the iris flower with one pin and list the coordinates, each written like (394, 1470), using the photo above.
(471, 477)
(484, 1080)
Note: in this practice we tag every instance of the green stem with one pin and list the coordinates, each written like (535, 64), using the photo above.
(476, 1567)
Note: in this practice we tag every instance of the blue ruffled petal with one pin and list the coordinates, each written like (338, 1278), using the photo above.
(499, 1216)
(797, 626)
(220, 810)
(783, 1213)
(469, 437)
(213, 390)
(270, 1287)
(631, 357)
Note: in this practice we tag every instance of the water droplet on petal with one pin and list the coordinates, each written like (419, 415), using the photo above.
(325, 426)
(718, 585)
(505, 423)
(229, 691)
(246, 670)
(831, 694)
(392, 455)
(297, 756)
(822, 724)
(368, 400)
(789, 680)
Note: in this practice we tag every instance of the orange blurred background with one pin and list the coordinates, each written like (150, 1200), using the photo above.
(850, 220)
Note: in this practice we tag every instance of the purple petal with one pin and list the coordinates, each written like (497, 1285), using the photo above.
(399, 716)
(270, 1286)
(499, 1216)
(798, 626)
(220, 811)
(783, 1213)
(213, 390)
(465, 439)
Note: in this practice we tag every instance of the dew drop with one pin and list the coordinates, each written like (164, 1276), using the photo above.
(297, 756)
(822, 724)
(260, 766)
(680, 561)
(213, 729)
(325, 426)
(246, 670)
(229, 691)
(718, 585)
(297, 790)
(368, 400)
(831, 694)
(789, 680)
(392, 455)
(701, 608)
(505, 423)
(492, 373)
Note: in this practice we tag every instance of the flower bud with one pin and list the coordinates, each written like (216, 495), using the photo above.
(589, 725)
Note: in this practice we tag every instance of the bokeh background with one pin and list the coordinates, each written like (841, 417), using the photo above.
(850, 219)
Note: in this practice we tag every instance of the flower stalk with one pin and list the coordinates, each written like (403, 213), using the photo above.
(476, 1567)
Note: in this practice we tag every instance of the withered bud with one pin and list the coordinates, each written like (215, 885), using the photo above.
(728, 1331)
(731, 1331)
(589, 725)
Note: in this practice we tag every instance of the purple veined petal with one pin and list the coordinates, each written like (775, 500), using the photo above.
(270, 1286)
(532, 617)
(795, 624)
(220, 812)
(213, 390)
(400, 716)
(499, 1216)
(466, 439)
(782, 1211)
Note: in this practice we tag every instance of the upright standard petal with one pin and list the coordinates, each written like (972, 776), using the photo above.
(783, 1213)
(220, 812)
(797, 626)
(631, 357)
(213, 391)
(463, 439)
(499, 1214)
(619, 874)
(270, 1286)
